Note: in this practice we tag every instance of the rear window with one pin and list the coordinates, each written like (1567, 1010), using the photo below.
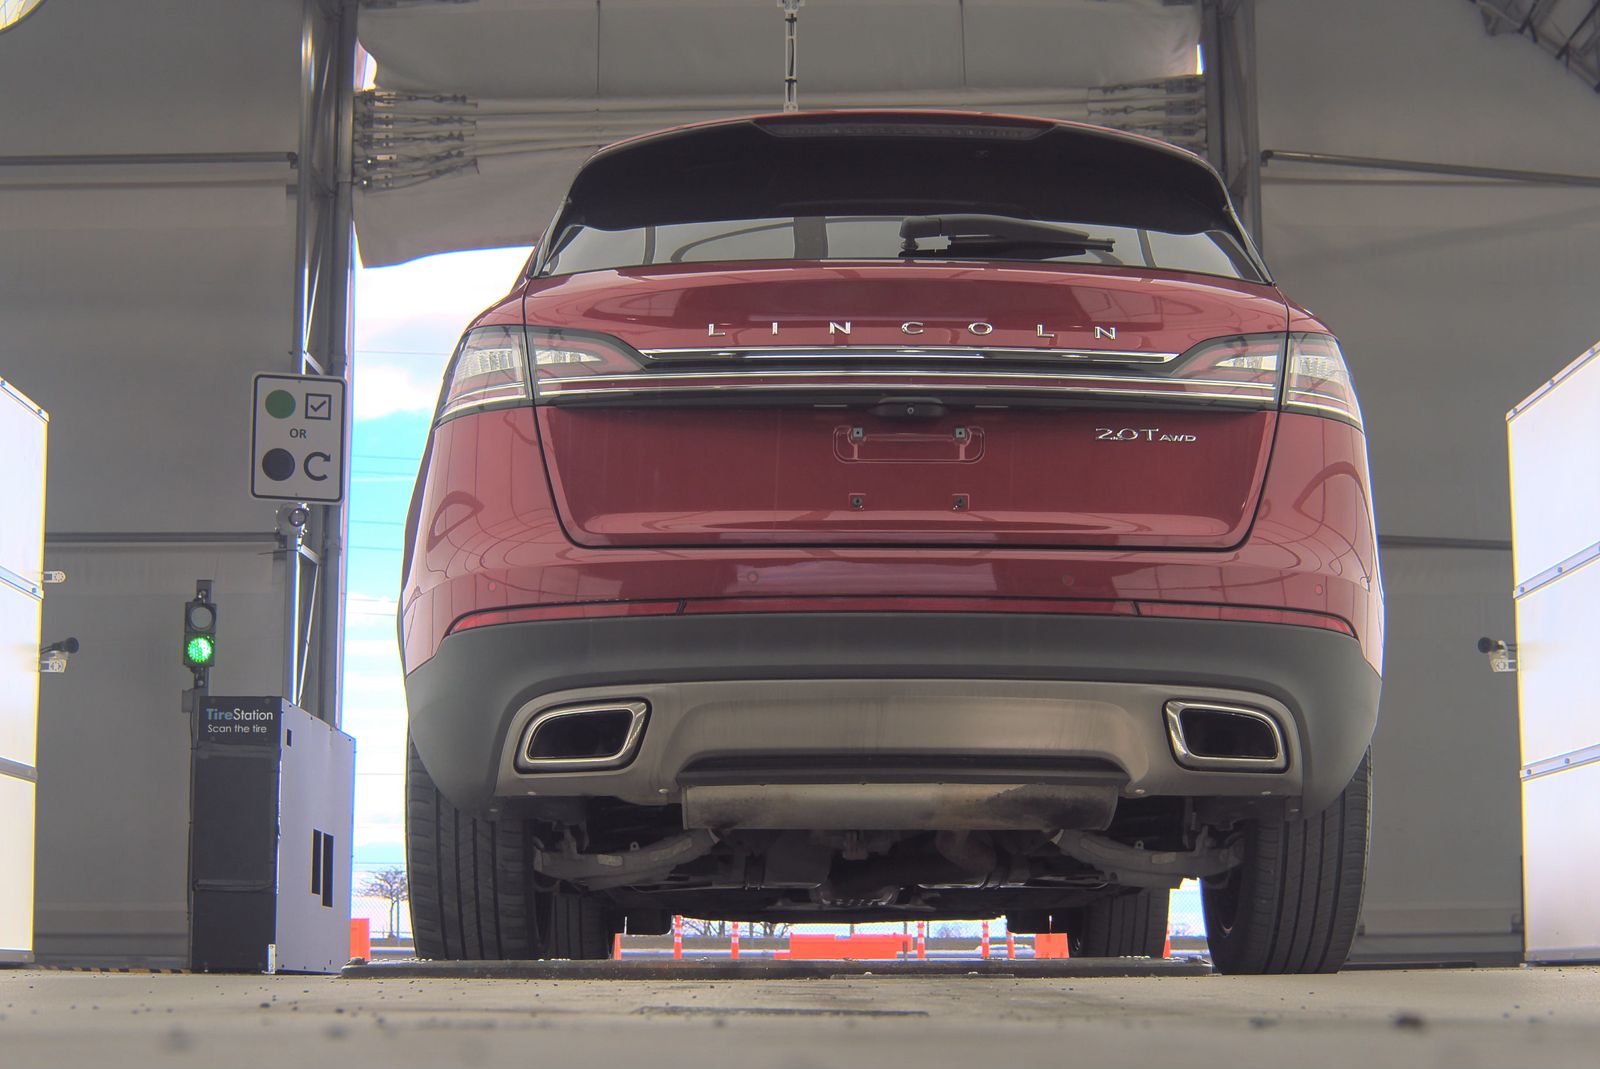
(907, 192)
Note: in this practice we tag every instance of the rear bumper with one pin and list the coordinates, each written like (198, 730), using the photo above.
(965, 694)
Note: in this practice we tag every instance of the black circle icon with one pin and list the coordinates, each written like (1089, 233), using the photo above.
(278, 465)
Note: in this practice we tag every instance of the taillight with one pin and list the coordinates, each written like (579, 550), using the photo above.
(565, 354)
(489, 371)
(1254, 358)
(1319, 380)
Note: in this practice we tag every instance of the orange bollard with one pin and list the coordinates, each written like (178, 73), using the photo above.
(1166, 948)
(677, 937)
(1011, 945)
(616, 947)
(984, 951)
(361, 938)
(734, 948)
(922, 940)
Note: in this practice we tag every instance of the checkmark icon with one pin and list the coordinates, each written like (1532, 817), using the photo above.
(319, 406)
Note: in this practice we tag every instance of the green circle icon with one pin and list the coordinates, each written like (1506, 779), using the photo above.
(280, 404)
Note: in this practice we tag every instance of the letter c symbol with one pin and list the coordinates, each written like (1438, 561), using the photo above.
(306, 467)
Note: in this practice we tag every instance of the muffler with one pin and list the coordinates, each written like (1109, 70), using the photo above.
(1212, 737)
(583, 737)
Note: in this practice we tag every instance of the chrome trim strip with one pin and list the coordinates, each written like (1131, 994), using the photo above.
(1587, 755)
(18, 770)
(912, 377)
(639, 711)
(942, 352)
(1556, 571)
(1174, 713)
(1175, 395)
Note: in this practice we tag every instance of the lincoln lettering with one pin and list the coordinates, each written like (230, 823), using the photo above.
(911, 328)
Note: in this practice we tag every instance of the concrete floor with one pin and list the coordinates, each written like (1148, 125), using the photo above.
(1459, 1019)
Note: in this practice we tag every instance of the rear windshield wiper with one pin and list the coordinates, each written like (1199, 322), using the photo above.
(994, 235)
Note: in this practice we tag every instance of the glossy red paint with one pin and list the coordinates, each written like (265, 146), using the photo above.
(802, 476)
(489, 537)
(666, 510)
(720, 606)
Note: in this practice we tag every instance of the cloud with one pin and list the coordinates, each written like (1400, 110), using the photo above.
(368, 605)
(384, 387)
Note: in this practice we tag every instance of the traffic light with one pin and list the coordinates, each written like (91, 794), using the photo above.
(200, 632)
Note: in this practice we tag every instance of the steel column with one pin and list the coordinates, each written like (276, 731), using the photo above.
(320, 340)
(1228, 53)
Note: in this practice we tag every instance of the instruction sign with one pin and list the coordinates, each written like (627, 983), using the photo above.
(297, 439)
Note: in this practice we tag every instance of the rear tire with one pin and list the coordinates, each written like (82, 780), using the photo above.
(1127, 925)
(1292, 905)
(473, 894)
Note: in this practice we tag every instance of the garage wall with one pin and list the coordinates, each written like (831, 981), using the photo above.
(136, 302)
(1453, 300)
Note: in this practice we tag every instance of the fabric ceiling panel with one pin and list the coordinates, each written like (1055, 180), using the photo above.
(1077, 42)
(734, 46)
(485, 109)
(602, 48)
(492, 48)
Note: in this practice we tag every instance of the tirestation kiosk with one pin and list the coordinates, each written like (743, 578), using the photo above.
(1555, 506)
(22, 470)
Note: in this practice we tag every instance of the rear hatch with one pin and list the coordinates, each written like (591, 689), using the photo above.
(818, 399)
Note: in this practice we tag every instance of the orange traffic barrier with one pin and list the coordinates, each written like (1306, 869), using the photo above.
(807, 947)
(922, 940)
(616, 947)
(360, 938)
(733, 949)
(1011, 946)
(1051, 945)
(677, 937)
(984, 948)
(1166, 949)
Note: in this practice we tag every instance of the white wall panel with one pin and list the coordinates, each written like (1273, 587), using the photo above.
(16, 869)
(23, 431)
(1558, 670)
(1562, 862)
(1554, 440)
(19, 676)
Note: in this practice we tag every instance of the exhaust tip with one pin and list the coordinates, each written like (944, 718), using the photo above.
(1210, 737)
(584, 737)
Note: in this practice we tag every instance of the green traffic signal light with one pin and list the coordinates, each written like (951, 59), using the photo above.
(199, 652)
(200, 633)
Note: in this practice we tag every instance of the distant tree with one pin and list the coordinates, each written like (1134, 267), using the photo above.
(772, 929)
(391, 886)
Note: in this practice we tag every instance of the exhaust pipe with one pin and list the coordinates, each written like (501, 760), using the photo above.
(1210, 737)
(581, 738)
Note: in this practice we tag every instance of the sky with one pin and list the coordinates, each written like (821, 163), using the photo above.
(408, 318)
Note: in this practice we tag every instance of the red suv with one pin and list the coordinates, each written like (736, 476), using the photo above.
(881, 515)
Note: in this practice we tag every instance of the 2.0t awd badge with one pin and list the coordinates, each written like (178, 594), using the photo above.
(1139, 434)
